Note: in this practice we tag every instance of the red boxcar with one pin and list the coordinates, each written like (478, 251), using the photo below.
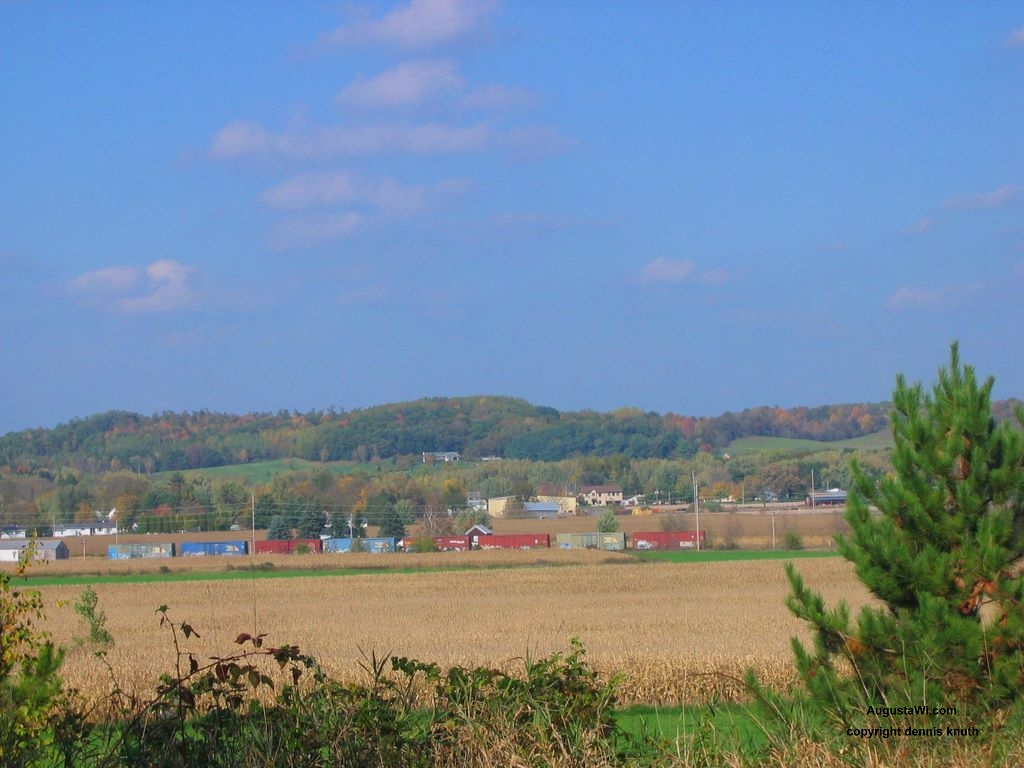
(288, 546)
(514, 541)
(669, 540)
(452, 543)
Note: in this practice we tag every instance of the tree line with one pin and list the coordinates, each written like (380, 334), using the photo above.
(473, 426)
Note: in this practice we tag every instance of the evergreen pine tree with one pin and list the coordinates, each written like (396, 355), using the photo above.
(310, 523)
(279, 528)
(939, 543)
(391, 523)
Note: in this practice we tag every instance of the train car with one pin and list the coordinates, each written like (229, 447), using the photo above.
(376, 545)
(606, 541)
(132, 551)
(514, 541)
(334, 546)
(212, 548)
(452, 543)
(668, 540)
(288, 546)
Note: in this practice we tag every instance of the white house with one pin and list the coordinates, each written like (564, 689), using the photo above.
(97, 528)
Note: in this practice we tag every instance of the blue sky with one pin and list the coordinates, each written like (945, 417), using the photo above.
(678, 206)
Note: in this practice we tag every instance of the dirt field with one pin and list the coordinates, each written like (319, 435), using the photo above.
(675, 632)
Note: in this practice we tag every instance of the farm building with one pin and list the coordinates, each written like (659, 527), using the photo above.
(14, 550)
(831, 497)
(445, 457)
(13, 532)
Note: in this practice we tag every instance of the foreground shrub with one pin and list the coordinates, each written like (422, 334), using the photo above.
(32, 700)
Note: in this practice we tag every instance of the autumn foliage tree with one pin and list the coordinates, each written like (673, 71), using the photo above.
(939, 543)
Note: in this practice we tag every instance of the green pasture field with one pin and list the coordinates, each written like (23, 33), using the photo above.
(872, 442)
(265, 471)
(730, 723)
(234, 573)
(728, 555)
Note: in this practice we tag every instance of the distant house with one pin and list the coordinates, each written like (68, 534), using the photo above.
(97, 528)
(601, 495)
(13, 532)
(434, 457)
(15, 550)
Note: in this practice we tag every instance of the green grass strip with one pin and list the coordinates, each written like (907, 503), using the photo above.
(730, 555)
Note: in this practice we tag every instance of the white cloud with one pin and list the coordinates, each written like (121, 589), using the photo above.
(409, 84)
(313, 189)
(1016, 38)
(983, 201)
(914, 297)
(315, 229)
(420, 24)
(666, 271)
(163, 286)
(241, 139)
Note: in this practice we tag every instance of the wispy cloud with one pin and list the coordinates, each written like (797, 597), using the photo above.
(664, 270)
(163, 286)
(921, 226)
(1016, 38)
(244, 140)
(418, 25)
(916, 297)
(315, 228)
(1000, 197)
(249, 140)
(997, 198)
(411, 83)
(499, 98)
(669, 271)
(327, 189)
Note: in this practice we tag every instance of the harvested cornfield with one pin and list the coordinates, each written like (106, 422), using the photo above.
(673, 632)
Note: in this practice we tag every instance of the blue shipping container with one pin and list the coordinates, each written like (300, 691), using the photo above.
(130, 551)
(376, 545)
(201, 548)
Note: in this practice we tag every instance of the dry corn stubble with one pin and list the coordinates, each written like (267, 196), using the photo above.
(672, 632)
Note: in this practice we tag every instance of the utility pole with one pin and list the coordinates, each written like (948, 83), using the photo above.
(696, 505)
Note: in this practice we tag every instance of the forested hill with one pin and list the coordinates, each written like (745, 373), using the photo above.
(474, 426)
